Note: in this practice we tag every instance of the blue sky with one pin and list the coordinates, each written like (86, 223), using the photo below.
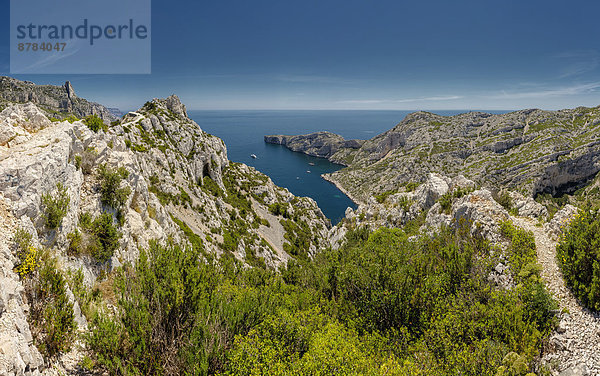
(240, 54)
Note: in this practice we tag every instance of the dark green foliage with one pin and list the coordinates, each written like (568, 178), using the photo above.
(279, 209)
(55, 206)
(75, 243)
(95, 123)
(23, 240)
(447, 199)
(106, 236)
(579, 258)
(78, 161)
(383, 196)
(51, 317)
(101, 237)
(411, 186)
(111, 193)
(381, 304)
(179, 315)
(211, 187)
(298, 235)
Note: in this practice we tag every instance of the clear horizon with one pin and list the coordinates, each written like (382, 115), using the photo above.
(353, 55)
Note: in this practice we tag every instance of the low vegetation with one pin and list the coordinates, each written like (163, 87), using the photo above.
(51, 317)
(578, 257)
(55, 206)
(99, 237)
(111, 192)
(382, 304)
(95, 123)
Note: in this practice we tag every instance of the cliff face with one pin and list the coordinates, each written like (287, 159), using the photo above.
(175, 182)
(532, 151)
(319, 144)
(58, 101)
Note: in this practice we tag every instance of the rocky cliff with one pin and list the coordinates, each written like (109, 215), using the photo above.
(531, 151)
(318, 144)
(56, 101)
(157, 176)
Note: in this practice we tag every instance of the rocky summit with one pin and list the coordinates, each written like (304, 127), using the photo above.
(57, 101)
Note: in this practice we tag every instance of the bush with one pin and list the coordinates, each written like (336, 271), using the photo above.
(111, 193)
(383, 303)
(380, 198)
(178, 315)
(55, 207)
(95, 123)
(106, 237)
(51, 314)
(88, 160)
(75, 243)
(503, 198)
(578, 257)
(23, 240)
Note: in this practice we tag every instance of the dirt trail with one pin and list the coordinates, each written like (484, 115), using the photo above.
(577, 340)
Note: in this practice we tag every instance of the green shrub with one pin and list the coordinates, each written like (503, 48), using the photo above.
(503, 198)
(71, 118)
(178, 315)
(579, 259)
(95, 123)
(279, 209)
(106, 237)
(51, 314)
(75, 243)
(77, 161)
(383, 196)
(23, 240)
(55, 207)
(383, 303)
(111, 193)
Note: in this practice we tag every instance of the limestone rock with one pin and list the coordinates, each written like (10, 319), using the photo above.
(318, 144)
(61, 99)
(561, 220)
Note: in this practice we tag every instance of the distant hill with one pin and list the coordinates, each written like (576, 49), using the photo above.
(58, 101)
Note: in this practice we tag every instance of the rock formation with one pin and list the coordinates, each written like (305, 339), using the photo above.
(318, 144)
(530, 151)
(57, 101)
(178, 182)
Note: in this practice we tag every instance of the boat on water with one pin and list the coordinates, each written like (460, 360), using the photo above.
(253, 156)
(308, 171)
(311, 163)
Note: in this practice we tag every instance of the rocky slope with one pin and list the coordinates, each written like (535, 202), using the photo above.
(58, 101)
(318, 144)
(176, 182)
(531, 151)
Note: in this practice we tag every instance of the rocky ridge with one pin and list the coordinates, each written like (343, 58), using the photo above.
(55, 101)
(180, 186)
(529, 151)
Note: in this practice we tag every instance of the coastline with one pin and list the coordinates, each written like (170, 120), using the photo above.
(342, 189)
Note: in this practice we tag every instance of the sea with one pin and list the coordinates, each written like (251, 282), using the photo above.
(243, 133)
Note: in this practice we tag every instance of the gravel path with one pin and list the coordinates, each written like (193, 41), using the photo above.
(576, 341)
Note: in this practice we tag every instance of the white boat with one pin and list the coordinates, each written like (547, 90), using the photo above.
(311, 163)
(308, 171)
(253, 156)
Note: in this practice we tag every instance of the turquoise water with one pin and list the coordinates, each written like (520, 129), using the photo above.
(243, 133)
